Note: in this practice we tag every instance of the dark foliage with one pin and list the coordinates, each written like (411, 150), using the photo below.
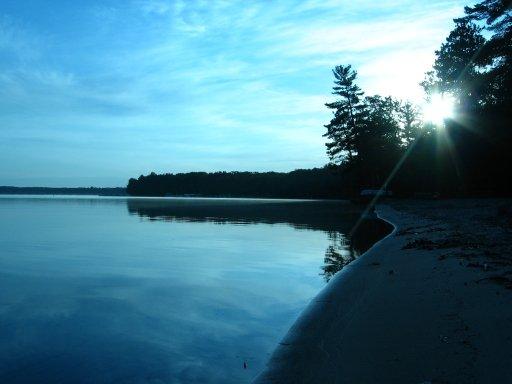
(303, 183)
(367, 134)
(384, 143)
(380, 142)
(477, 72)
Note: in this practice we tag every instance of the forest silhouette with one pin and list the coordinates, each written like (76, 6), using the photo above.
(376, 141)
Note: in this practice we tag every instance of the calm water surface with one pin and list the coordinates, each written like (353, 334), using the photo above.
(116, 290)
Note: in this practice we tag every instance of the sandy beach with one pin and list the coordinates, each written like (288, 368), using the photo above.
(430, 303)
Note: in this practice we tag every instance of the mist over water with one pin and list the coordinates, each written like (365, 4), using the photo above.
(104, 290)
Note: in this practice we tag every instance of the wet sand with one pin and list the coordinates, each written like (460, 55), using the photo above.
(430, 303)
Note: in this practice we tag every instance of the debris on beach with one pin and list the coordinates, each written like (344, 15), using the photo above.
(419, 244)
(453, 241)
(502, 280)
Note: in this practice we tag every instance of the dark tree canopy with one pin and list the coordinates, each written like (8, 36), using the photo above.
(497, 50)
(367, 134)
(345, 124)
(377, 141)
(410, 117)
(303, 183)
(380, 141)
(457, 66)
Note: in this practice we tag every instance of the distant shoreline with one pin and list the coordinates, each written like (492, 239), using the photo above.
(92, 191)
(121, 191)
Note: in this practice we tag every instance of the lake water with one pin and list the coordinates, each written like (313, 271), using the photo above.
(119, 290)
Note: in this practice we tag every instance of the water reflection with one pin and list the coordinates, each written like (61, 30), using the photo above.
(305, 214)
(343, 249)
(336, 218)
(91, 294)
(337, 255)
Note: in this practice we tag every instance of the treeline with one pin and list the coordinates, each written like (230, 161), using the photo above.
(318, 183)
(381, 142)
(95, 191)
(376, 142)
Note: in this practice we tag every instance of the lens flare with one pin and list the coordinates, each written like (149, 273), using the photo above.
(438, 109)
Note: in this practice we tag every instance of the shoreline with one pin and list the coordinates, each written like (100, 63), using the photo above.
(426, 304)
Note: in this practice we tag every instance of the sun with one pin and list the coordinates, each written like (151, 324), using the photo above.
(438, 109)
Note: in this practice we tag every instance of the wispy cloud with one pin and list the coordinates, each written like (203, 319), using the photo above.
(185, 85)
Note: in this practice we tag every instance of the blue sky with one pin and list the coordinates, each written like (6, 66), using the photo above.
(95, 92)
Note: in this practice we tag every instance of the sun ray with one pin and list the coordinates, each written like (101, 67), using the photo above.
(439, 108)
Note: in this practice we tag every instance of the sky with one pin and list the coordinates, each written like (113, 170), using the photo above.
(96, 92)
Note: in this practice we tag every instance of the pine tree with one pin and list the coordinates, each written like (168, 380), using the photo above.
(410, 118)
(497, 52)
(457, 65)
(343, 128)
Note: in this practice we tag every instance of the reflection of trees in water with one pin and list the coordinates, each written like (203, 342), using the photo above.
(335, 218)
(338, 254)
(343, 249)
(306, 214)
